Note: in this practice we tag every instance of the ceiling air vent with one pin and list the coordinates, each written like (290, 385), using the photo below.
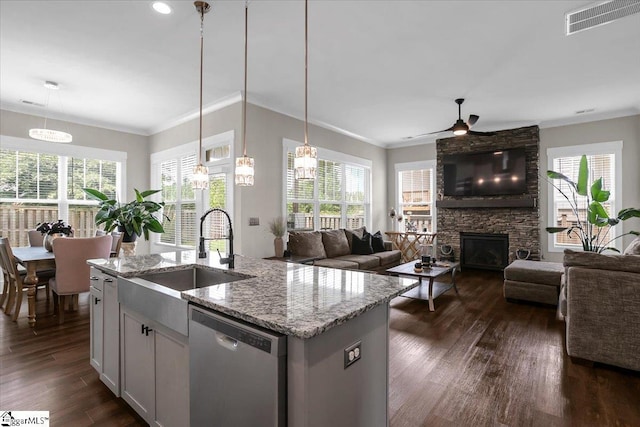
(35, 104)
(599, 14)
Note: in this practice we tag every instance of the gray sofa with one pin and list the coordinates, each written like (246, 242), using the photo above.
(601, 304)
(334, 249)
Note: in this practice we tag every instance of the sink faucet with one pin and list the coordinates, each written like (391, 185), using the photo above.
(202, 253)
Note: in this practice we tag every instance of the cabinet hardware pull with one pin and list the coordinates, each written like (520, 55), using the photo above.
(93, 278)
(147, 330)
(95, 301)
(142, 329)
(108, 280)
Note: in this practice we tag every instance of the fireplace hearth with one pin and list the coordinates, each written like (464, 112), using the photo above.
(484, 251)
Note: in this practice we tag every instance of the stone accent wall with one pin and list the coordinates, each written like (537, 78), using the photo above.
(521, 224)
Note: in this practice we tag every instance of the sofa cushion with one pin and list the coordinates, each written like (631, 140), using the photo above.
(630, 263)
(306, 244)
(335, 243)
(365, 262)
(633, 248)
(389, 257)
(336, 263)
(361, 246)
(377, 242)
(355, 232)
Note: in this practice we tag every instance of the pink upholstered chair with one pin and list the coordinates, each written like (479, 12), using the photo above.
(72, 270)
(116, 243)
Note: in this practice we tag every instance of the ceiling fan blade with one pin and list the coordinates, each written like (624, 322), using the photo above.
(440, 131)
(472, 119)
(472, 132)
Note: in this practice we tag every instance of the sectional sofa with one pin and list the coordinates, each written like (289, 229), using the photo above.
(344, 249)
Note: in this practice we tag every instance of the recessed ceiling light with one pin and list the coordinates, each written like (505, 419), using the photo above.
(161, 7)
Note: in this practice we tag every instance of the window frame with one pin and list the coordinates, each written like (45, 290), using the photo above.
(64, 152)
(601, 148)
(289, 146)
(201, 202)
(419, 165)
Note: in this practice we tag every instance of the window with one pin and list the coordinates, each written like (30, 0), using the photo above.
(44, 183)
(337, 198)
(171, 171)
(416, 187)
(602, 159)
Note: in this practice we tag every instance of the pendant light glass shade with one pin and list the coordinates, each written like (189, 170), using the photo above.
(244, 164)
(305, 161)
(244, 171)
(200, 177)
(50, 135)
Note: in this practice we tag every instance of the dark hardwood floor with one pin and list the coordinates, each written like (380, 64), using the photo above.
(476, 361)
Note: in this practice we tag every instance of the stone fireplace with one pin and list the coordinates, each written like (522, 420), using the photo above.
(514, 216)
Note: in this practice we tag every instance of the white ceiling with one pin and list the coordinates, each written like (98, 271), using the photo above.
(378, 70)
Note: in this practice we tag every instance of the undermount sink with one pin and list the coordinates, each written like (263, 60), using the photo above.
(157, 295)
(192, 278)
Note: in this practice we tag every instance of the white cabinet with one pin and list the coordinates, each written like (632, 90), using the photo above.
(105, 329)
(155, 370)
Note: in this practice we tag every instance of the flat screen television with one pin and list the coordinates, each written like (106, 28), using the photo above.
(492, 173)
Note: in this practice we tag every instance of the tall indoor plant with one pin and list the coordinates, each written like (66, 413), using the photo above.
(135, 218)
(590, 199)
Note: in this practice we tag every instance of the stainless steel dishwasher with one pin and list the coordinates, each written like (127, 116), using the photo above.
(237, 372)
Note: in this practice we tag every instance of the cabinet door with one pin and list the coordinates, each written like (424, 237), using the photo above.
(96, 322)
(172, 378)
(111, 348)
(137, 353)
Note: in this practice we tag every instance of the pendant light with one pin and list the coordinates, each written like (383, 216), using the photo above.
(200, 177)
(305, 161)
(50, 135)
(244, 164)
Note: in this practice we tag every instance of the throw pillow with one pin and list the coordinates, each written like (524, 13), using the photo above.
(306, 244)
(377, 242)
(356, 232)
(361, 246)
(633, 248)
(335, 243)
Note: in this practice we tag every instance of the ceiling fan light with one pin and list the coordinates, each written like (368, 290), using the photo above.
(460, 128)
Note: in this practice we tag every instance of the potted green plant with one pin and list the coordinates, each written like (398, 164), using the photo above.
(593, 231)
(135, 218)
(278, 227)
(53, 230)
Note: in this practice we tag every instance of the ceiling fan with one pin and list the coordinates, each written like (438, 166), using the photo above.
(460, 127)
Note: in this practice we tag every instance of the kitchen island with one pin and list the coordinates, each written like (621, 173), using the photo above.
(335, 321)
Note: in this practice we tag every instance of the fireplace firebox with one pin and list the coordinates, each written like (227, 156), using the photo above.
(484, 251)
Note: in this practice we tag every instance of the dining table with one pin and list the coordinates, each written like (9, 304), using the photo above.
(33, 259)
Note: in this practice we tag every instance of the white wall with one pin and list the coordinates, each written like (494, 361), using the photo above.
(626, 129)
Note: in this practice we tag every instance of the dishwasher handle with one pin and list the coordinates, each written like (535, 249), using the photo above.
(230, 334)
(226, 341)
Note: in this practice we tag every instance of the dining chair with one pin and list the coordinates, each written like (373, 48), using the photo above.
(72, 271)
(14, 280)
(36, 238)
(116, 243)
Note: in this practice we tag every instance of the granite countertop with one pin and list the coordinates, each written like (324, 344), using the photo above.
(293, 299)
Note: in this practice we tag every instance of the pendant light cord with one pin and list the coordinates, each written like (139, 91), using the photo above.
(202, 11)
(244, 100)
(306, 60)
